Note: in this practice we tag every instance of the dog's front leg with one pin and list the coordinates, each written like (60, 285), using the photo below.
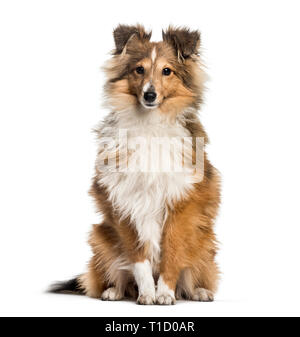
(140, 266)
(170, 266)
(142, 272)
(165, 292)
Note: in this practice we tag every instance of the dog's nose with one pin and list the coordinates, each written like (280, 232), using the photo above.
(150, 96)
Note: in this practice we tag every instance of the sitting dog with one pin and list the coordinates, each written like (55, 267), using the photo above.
(156, 241)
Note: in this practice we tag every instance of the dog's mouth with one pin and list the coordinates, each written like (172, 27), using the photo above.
(149, 105)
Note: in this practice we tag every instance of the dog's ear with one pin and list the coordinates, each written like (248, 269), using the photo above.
(124, 33)
(184, 42)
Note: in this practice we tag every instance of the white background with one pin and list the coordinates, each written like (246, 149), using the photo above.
(50, 99)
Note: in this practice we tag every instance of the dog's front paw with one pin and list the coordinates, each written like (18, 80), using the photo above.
(111, 294)
(165, 299)
(146, 299)
(164, 295)
(203, 295)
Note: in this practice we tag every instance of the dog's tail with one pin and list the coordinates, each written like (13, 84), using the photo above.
(72, 286)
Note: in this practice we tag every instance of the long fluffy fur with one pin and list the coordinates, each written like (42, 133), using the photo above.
(157, 226)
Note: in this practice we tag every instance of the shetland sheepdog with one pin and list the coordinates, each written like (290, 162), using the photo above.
(155, 242)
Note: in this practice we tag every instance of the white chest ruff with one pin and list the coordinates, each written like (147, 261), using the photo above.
(145, 196)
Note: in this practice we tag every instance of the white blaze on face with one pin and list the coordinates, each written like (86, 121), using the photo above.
(146, 86)
(153, 58)
(153, 55)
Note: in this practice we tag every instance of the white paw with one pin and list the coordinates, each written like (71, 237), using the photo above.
(111, 294)
(165, 299)
(203, 295)
(142, 272)
(164, 295)
(146, 299)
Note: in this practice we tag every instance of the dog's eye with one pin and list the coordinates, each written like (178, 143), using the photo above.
(140, 70)
(166, 71)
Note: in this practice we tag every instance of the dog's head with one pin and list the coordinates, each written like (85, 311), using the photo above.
(162, 75)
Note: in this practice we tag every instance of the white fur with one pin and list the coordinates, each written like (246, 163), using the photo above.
(146, 86)
(142, 273)
(117, 269)
(111, 294)
(202, 294)
(153, 54)
(144, 196)
(164, 295)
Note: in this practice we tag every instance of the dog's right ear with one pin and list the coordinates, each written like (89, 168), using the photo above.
(124, 33)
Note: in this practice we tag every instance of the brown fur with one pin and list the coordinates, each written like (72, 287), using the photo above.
(188, 241)
(188, 245)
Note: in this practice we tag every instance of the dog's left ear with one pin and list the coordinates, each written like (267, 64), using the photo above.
(124, 33)
(184, 42)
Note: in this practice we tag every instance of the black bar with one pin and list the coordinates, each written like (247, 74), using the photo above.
(148, 326)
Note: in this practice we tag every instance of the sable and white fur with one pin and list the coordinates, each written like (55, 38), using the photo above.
(156, 240)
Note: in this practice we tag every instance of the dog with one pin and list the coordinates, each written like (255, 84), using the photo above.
(156, 241)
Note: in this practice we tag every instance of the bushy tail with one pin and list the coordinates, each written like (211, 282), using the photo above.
(67, 287)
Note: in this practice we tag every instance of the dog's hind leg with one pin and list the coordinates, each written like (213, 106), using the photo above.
(198, 284)
(108, 271)
(92, 282)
